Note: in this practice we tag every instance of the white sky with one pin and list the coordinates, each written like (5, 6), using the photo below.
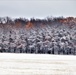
(37, 8)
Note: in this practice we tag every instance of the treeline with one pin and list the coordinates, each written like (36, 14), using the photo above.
(54, 41)
(48, 20)
(53, 37)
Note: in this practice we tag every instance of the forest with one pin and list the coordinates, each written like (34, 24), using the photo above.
(52, 35)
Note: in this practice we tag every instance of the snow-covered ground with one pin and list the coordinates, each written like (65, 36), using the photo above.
(37, 64)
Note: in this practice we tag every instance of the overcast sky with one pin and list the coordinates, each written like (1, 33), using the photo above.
(37, 8)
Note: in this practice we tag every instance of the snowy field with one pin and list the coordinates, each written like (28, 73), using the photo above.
(37, 64)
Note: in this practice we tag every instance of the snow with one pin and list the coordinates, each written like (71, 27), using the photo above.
(37, 64)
